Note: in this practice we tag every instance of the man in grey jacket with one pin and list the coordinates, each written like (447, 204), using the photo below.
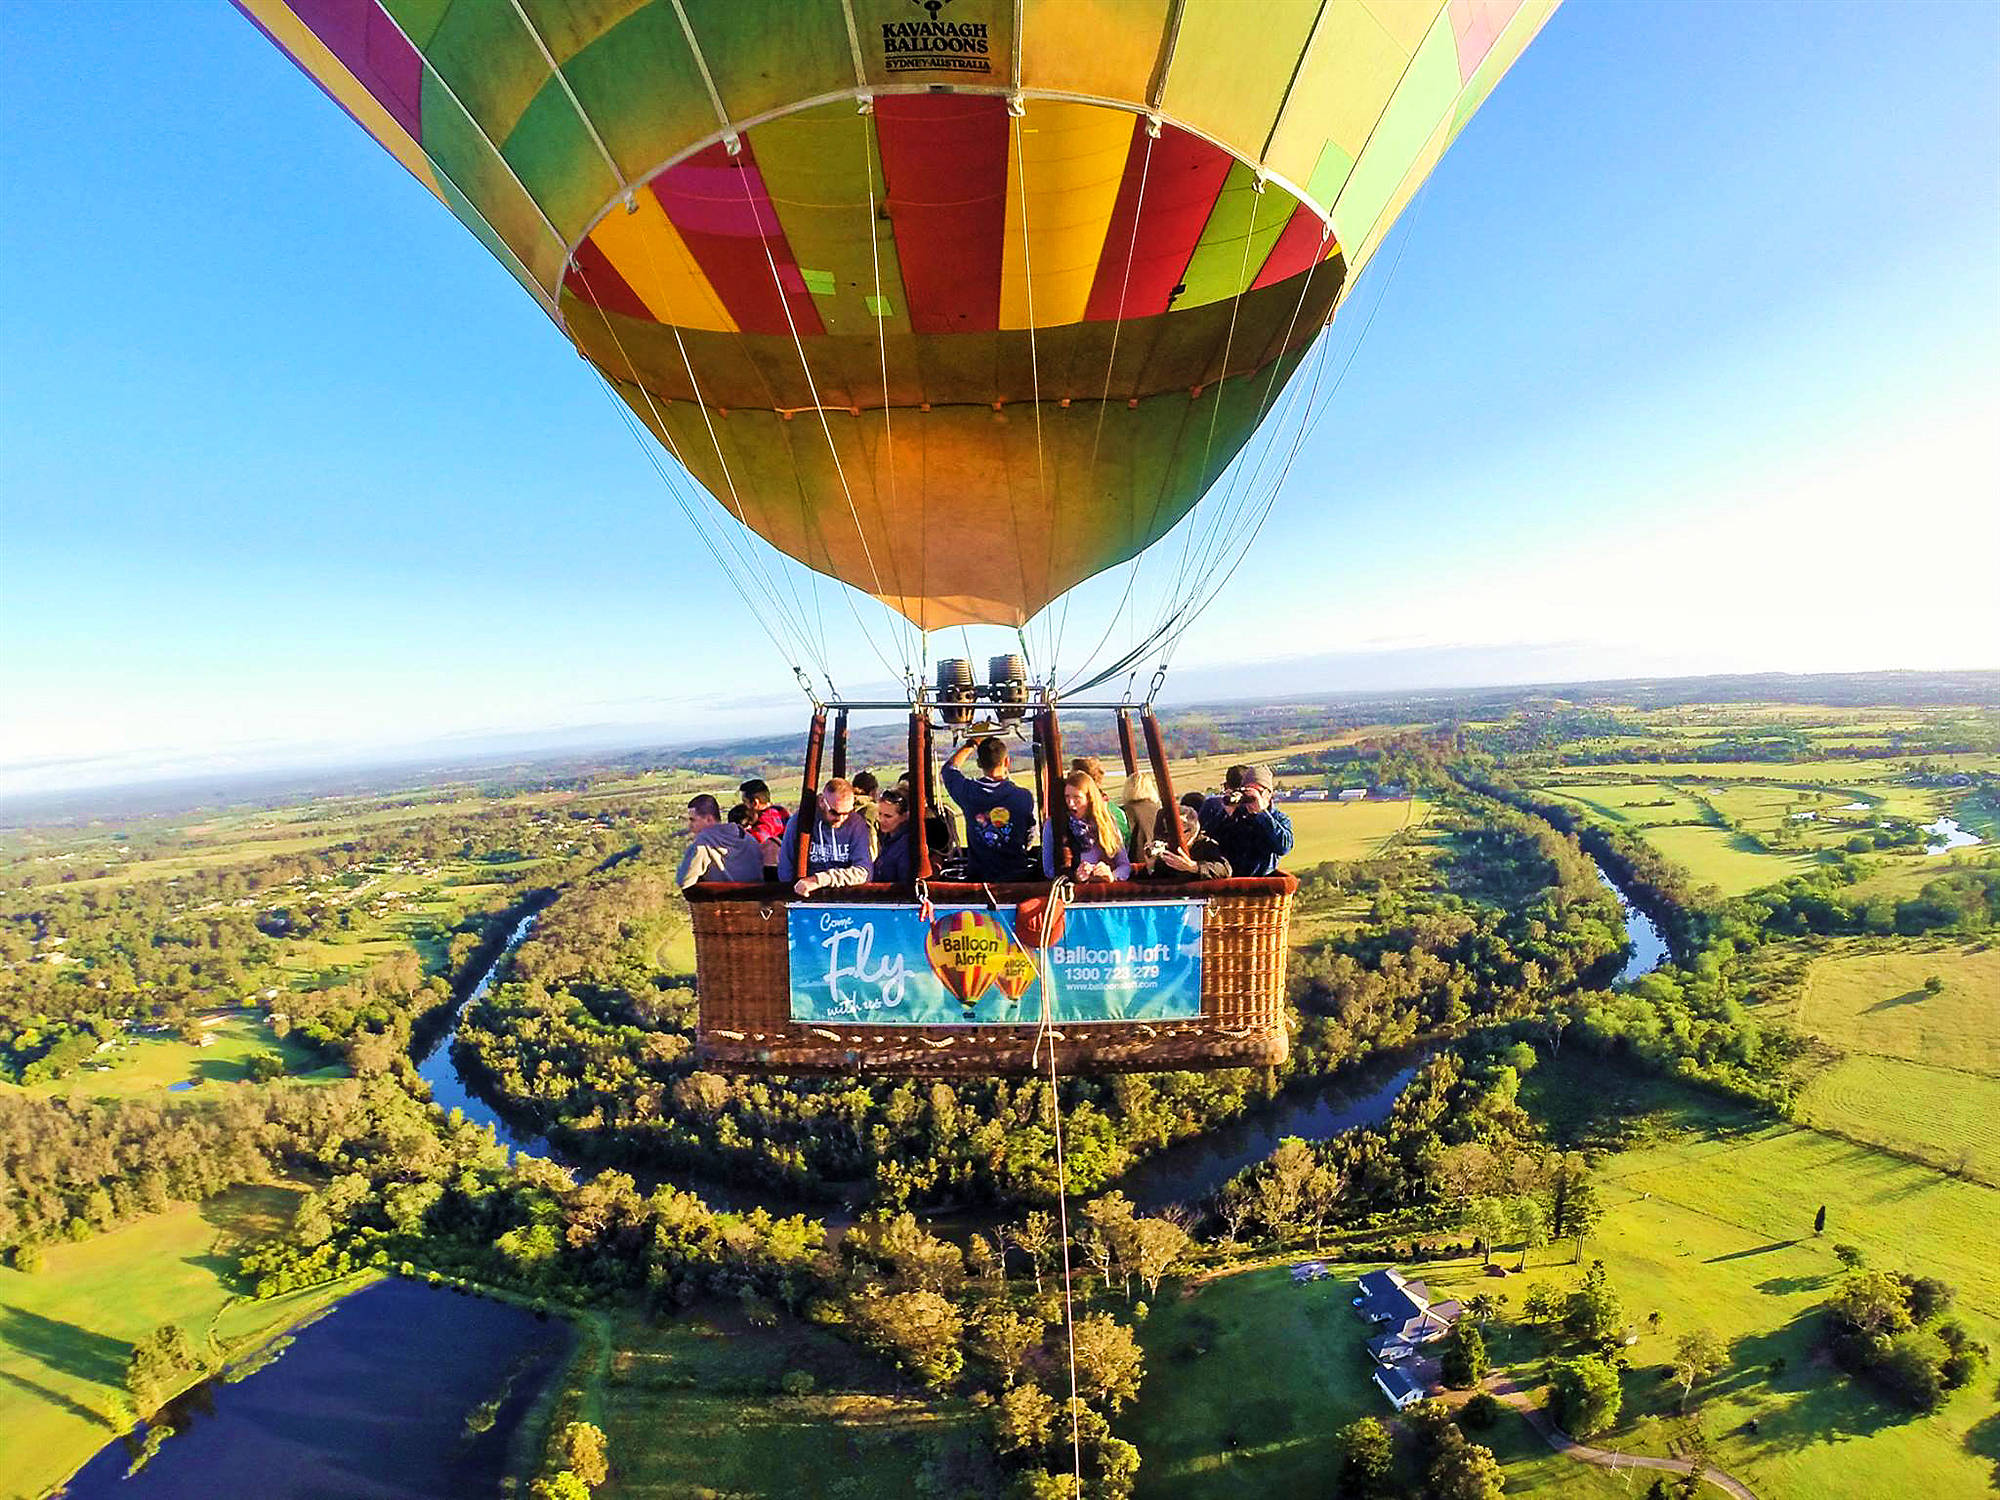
(717, 850)
(842, 847)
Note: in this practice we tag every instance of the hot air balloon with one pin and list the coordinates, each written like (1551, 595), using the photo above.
(967, 950)
(958, 302)
(1017, 974)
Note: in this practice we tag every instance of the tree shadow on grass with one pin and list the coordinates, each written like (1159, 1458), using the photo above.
(56, 1398)
(1754, 1250)
(1786, 1286)
(1908, 997)
(1984, 1440)
(1810, 1400)
(64, 1346)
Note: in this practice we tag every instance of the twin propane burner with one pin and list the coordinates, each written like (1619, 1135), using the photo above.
(1006, 688)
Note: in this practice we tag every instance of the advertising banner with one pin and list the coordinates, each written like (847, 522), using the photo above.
(886, 966)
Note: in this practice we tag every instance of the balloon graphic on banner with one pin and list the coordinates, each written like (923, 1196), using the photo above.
(1017, 973)
(966, 950)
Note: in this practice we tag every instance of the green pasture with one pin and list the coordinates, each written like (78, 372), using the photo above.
(1937, 1115)
(1874, 1002)
(1731, 862)
(694, 1408)
(140, 1064)
(67, 1331)
(1633, 804)
(1348, 830)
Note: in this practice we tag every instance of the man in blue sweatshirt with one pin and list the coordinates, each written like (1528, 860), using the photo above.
(999, 816)
(1253, 834)
(842, 847)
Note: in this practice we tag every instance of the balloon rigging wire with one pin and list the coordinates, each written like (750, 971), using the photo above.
(666, 438)
(1236, 499)
(1270, 391)
(728, 478)
(1035, 378)
(880, 309)
(1104, 406)
(1060, 893)
(747, 551)
(1310, 424)
(826, 429)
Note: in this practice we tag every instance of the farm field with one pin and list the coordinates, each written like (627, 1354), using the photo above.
(1874, 1002)
(1726, 860)
(141, 1064)
(1348, 830)
(694, 1408)
(67, 1331)
(1937, 1115)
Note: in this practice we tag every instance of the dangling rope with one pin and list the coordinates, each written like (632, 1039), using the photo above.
(1059, 896)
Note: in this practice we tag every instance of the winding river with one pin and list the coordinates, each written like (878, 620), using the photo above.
(405, 1391)
(1178, 1173)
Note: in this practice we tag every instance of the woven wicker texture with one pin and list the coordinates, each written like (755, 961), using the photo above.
(745, 981)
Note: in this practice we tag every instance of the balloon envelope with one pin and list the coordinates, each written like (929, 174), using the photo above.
(977, 344)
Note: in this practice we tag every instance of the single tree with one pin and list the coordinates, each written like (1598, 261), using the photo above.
(583, 1453)
(1109, 1364)
(1584, 1395)
(1464, 1363)
(1531, 1227)
(1819, 1220)
(1698, 1354)
(1023, 1419)
(1366, 1458)
(1005, 1337)
(1157, 1244)
(1464, 1471)
(1033, 1237)
(1850, 1256)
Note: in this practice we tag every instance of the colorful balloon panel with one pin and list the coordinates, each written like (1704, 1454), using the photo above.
(966, 950)
(1056, 322)
(1017, 974)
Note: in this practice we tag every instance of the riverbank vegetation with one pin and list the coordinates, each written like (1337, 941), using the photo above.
(1685, 1129)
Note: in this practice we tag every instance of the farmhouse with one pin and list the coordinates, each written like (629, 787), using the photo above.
(1405, 1320)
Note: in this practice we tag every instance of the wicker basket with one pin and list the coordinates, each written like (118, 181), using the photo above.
(742, 958)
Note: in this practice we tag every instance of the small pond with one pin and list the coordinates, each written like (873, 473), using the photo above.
(370, 1402)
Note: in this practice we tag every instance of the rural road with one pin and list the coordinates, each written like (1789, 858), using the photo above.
(1507, 1391)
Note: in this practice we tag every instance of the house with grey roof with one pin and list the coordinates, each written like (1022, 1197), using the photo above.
(1405, 1321)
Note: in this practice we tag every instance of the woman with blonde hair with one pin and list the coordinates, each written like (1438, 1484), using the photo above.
(1142, 819)
(1095, 851)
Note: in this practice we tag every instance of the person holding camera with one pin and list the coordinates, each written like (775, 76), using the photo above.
(1252, 833)
(1204, 859)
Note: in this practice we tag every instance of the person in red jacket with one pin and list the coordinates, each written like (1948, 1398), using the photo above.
(767, 823)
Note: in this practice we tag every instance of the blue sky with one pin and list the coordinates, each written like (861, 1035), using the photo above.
(1690, 360)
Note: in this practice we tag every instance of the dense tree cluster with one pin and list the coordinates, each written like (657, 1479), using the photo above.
(1887, 1328)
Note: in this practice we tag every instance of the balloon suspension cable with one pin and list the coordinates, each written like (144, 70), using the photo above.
(1060, 894)
(826, 429)
(1314, 415)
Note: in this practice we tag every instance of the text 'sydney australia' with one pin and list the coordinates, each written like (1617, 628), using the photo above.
(887, 966)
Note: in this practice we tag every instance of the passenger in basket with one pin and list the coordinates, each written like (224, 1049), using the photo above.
(866, 789)
(1254, 835)
(999, 816)
(1219, 805)
(1094, 768)
(896, 858)
(841, 847)
(767, 823)
(1203, 860)
(717, 850)
(1143, 825)
(1094, 852)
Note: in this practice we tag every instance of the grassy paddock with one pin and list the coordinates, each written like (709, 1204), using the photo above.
(1729, 861)
(1874, 1002)
(694, 1408)
(141, 1064)
(1947, 1118)
(1348, 830)
(67, 1331)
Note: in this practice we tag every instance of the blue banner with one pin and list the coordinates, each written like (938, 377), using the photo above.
(886, 966)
